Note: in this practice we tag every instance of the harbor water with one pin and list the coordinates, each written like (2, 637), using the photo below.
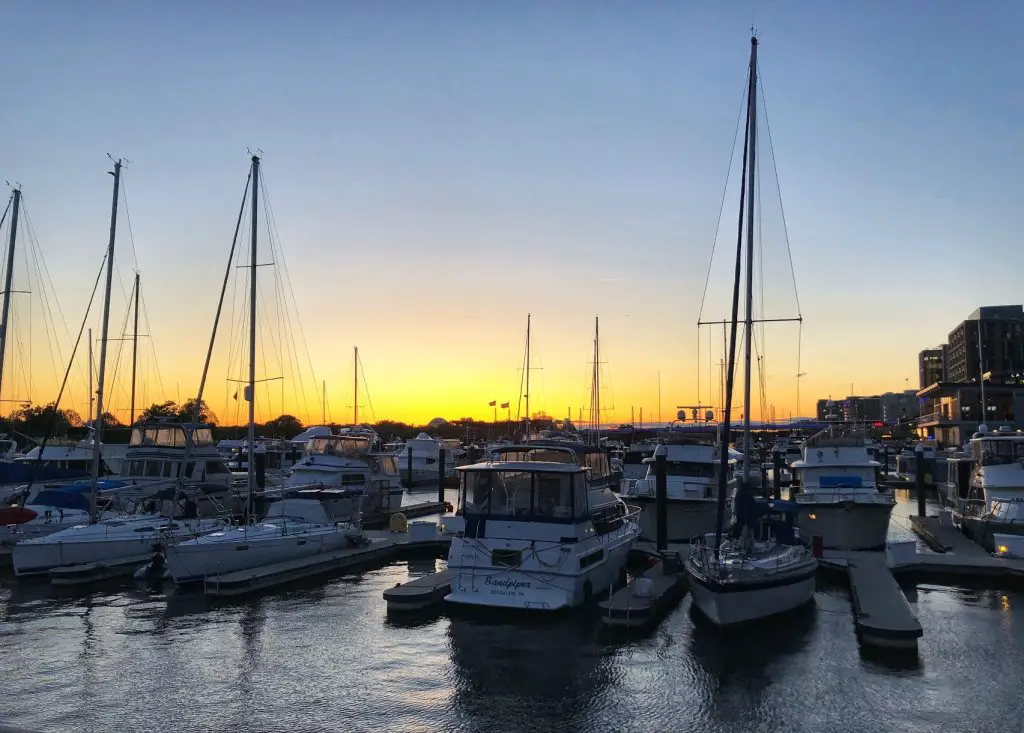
(324, 656)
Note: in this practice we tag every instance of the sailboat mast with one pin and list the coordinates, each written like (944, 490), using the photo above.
(97, 436)
(355, 386)
(323, 405)
(91, 394)
(749, 317)
(251, 387)
(527, 376)
(135, 347)
(8, 280)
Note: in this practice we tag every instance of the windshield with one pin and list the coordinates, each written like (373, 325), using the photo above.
(536, 496)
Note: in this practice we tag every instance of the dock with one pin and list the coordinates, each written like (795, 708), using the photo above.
(96, 572)
(648, 596)
(381, 548)
(419, 594)
(882, 615)
(411, 511)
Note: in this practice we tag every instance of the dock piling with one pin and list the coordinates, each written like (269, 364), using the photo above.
(885, 461)
(777, 464)
(440, 475)
(661, 499)
(919, 480)
(408, 473)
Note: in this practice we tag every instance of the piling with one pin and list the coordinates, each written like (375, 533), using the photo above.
(764, 473)
(408, 473)
(261, 469)
(885, 461)
(777, 465)
(440, 475)
(919, 480)
(661, 499)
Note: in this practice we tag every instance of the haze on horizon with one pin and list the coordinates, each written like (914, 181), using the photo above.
(438, 170)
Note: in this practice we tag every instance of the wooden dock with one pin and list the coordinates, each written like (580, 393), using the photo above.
(883, 616)
(421, 593)
(382, 547)
(646, 597)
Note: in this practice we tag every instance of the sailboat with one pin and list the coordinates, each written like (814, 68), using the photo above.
(760, 568)
(301, 524)
(110, 540)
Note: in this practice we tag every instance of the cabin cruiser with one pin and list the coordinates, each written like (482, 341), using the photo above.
(350, 461)
(537, 535)
(303, 523)
(760, 569)
(423, 451)
(166, 459)
(594, 460)
(60, 463)
(991, 501)
(841, 498)
(691, 479)
(633, 457)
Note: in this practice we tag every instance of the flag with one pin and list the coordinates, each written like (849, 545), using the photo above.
(504, 405)
(235, 395)
(492, 403)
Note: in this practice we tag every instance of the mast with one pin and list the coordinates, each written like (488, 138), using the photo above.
(595, 387)
(135, 347)
(527, 377)
(323, 405)
(251, 387)
(97, 435)
(90, 380)
(8, 280)
(355, 386)
(749, 317)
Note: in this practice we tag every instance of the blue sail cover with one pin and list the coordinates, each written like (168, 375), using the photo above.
(21, 472)
(59, 499)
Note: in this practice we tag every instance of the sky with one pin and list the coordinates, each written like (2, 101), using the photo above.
(437, 170)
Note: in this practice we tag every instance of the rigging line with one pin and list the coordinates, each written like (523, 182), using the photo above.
(775, 170)
(272, 223)
(366, 388)
(522, 375)
(152, 345)
(67, 372)
(128, 217)
(763, 354)
(114, 385)
(725, 189)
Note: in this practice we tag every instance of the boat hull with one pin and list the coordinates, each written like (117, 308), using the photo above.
(742, 603)
(498, 587)
(191, 562)
(846, 525)
(983, 531)
(686, 519)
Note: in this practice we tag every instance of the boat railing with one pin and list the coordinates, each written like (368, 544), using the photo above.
(864, 495)
(728, 561)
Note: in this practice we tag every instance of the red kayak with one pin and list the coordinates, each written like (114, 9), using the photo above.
(15, 515)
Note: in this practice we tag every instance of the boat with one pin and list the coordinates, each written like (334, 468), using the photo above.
(759, 567)
(350, 461)
(841, 498)
(49, 509)
(295, 526)
(423, 451)
(304, 523)
(591, 458)
(691, 471)
(537, 536)
(991, 501)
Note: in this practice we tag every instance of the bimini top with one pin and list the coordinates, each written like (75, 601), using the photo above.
(525, 466)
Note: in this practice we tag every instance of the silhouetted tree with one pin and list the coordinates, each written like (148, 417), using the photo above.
(283, 426)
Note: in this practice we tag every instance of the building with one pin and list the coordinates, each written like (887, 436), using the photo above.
(956, 408)
(862, 409)
(1000, 330)
(931, 366)
(898, 407)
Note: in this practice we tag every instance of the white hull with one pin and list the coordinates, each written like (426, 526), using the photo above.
(536, 590)
(846, 525)
(687, 518)
(189, 562)
(743, 606)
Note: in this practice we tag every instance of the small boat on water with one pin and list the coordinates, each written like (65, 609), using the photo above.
(840, 497)
(305, 523)
(991, 501)
(48, 510)
(537, 536)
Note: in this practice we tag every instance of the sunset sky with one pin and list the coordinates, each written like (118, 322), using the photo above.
(437, 170)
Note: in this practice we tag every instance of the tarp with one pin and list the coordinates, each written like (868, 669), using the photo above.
(21, 472)
(61, 499)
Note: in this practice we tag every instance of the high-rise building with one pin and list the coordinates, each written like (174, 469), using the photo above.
(1000, 330)
(931, 366)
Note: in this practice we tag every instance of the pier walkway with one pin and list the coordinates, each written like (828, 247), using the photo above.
(883, 616)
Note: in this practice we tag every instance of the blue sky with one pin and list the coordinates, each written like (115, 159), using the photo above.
(456, 164)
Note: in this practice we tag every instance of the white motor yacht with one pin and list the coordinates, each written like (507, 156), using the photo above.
(349, 461)
(423, 451)
(303, 524)
(691, 482)
(537, 537)
(991, 501)
(840, 497)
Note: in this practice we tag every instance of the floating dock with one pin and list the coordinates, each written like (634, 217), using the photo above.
(421, 593)
(96, 572)
(882, 615)
(411, 511)
(382, 547)
(956, 556)
(648, 596)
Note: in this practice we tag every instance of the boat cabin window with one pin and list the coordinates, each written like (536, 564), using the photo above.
(548, 455)
(388, 464)
(998, 452)
(597, 463)
(689, 469)
(349, 479)
(534, 496)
